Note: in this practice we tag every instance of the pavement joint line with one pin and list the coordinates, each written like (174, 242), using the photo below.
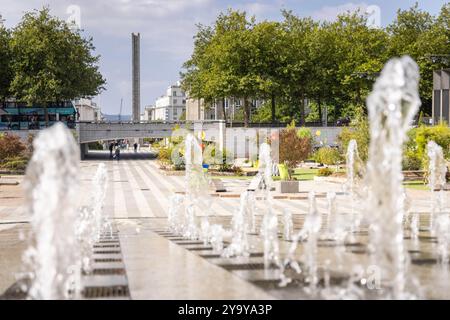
(14, 222)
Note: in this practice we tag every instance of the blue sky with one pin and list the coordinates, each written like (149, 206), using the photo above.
(167, 28)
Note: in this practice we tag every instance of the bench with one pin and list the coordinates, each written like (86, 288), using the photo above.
(218, 185)
(413, 175)
(255, 183)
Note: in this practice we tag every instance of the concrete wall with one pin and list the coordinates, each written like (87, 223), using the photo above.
(441, 96)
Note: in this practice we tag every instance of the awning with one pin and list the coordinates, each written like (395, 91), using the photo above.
(2, 112)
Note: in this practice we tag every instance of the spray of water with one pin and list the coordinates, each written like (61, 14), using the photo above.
(288, 226)
(239, 245)
(354, 175)
(392, 105)
(312, 226)
(51, 186)
(439, 219)
(269, 228)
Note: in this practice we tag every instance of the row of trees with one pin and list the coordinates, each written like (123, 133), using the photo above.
(330, 64)
(43, 60)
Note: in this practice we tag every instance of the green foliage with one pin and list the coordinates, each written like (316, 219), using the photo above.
(95, 146)
(293, 149)
(165, 155)
(324, 172)
(411, 161)
(211, 157)
(11, 147)
(304, 133)
(359, 131)
(328, 156)
(439, 134)
(45, 61)
(14, 164)
(419, 34)
(237, 171)
(284, 172)
(331, 64)
(5, 62)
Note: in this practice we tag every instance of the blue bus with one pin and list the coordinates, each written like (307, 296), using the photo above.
(19, 116)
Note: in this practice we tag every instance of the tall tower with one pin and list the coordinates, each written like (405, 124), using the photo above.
(136, 81)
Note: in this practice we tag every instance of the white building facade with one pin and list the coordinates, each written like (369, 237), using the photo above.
(170, 107)
(197, 110)
(87, 110)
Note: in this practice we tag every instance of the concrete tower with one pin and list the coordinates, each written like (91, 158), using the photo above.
(136, 81)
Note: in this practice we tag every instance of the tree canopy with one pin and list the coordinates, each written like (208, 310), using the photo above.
(332, 64)
(47, 61)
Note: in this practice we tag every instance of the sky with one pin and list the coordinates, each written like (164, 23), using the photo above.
(167, 28)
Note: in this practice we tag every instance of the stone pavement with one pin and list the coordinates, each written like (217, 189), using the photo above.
(138, 199)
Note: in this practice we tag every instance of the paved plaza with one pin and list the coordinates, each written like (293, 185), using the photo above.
(160, 265)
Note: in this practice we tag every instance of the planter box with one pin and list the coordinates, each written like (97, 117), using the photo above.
(289, 186)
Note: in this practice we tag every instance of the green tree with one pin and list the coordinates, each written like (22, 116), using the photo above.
(52, 63)
(422, 36)
(298, 68)
(359, 130)
(270, 54)
(5, 61)
(221, 64)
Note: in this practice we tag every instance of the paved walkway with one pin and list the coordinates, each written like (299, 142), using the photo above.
(137, 189)
(137, 197)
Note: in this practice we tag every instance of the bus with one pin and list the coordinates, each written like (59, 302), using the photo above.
(19, 116)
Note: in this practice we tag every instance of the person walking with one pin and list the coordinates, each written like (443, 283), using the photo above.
(135, 147)
(111, 147)
(117, 153)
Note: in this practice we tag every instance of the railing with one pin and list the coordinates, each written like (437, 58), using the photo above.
(282, 124)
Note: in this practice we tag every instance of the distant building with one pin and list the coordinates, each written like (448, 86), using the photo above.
(169, 107)
(197, 110)
(87, 110)
(147, 115)
(441, 98)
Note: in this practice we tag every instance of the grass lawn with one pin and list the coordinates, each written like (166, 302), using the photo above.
(232, 177)
(304, 174)
(416, 184)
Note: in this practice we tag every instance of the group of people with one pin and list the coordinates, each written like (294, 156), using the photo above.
(114, 150)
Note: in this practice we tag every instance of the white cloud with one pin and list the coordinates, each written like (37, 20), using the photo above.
(330, 13)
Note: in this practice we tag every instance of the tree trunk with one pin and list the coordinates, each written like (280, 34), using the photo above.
(320, 111)
(224, 110)
(246, 113)
(46, 116)
(302, 110)
(273, 109)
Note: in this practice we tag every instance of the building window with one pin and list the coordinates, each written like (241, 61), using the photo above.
(174, 93)
(175, 101)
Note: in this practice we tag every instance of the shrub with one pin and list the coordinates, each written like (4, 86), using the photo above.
(359, 130)
(95, 146)
(209, 157)
(237, 171)
(15, 164)
(304, 133)
(411, 161)
(327, 155)
(439, 134)
(165, 155)
(324, 172)
(11, 146)
(293, 149)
